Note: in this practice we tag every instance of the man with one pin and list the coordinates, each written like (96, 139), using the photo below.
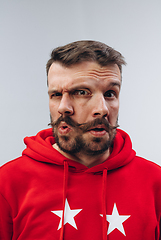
(81, 179)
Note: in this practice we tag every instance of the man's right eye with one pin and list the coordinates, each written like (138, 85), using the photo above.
(56, 94)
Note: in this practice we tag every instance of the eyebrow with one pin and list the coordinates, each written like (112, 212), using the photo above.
(52, 91)
(69, 90)
(113, 84)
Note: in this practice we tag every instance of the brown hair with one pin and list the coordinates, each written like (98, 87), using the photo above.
(81, 51)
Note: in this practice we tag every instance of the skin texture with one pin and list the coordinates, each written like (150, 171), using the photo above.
(84, 92)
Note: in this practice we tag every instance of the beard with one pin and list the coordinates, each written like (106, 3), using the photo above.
(76, 141)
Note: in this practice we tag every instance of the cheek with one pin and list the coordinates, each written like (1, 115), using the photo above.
(115, 106)
(114, 110)
(53, 108)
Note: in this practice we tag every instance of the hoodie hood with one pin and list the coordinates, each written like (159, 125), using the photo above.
(40, 148)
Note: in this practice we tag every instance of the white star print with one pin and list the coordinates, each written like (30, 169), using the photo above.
(116, 221)
(68, 215)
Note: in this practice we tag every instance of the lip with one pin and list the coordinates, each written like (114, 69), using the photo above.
(64, 128)
(98, 133)
(98, 126)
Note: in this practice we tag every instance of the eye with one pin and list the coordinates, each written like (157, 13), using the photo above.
(110, 94)
(81, 92)
(56, 94)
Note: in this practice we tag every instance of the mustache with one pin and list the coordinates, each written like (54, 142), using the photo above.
(84, 126)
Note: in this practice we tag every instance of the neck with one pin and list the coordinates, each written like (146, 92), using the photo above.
(88, 161)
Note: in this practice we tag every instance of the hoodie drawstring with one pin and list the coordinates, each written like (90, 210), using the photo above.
(104, 185)
(104, 203)
(65, 182)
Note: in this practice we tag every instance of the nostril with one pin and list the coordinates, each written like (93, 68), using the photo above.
(105, 115)
(96, 114)
(67, 112)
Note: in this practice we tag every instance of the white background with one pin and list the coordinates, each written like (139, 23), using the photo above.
(30, 29)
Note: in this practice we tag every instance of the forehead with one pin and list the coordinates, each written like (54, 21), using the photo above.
(83, 72)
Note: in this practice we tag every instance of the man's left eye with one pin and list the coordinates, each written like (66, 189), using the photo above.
(81, 92)
(110, 94)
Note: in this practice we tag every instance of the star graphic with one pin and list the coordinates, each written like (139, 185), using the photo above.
(116, 221)
(68, 215)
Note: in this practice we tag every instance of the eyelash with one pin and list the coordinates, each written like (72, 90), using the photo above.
(86, 93)
(110, 92)
(57, 94)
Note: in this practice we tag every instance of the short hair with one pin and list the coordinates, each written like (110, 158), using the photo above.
(85, 50)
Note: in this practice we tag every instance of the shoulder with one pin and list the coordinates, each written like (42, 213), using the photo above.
(10, 168)
(14, 169)
(147, 165)
(148, 171)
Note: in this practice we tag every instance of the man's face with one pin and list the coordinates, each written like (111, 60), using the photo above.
(83, 100)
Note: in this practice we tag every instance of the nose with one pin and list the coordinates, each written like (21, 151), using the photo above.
(65, 107)
(100, 107)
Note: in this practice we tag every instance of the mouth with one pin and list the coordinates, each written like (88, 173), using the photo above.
(98, 131)
(64, 128)
(99, 128)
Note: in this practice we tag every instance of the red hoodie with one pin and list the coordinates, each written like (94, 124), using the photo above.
(45, 196)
